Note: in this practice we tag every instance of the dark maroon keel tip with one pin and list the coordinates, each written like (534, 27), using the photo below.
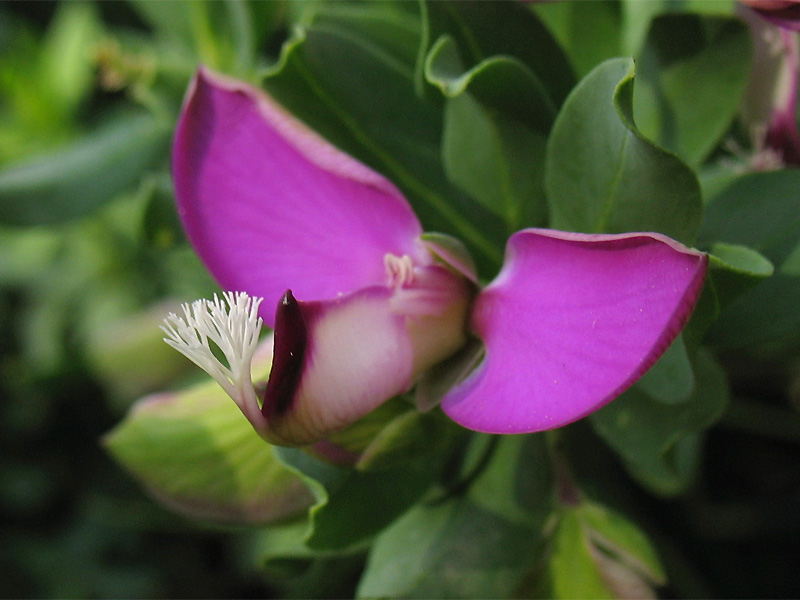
(291, 340)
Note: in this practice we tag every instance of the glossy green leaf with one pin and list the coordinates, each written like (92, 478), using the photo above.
(410, 437)
(502, 84)
(349, 73)
(734, 269)
(489, 30)
(572, 567)
(585, 46)
(638, 16)
(658, 442)
(497, 159)
(602, 175)
(597, 553)
(483, 544)
(618, 536)
(196, 452)
(758, 210)
(82, 176)
(671, 379)
(342, 518)
(690, 81)
(766, 318)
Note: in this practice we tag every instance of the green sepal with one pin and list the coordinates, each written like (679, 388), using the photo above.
(196, 452)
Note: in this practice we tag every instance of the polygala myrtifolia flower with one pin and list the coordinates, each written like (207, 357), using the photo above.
(363, 304)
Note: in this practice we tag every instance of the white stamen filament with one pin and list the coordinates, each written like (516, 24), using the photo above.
(234, 329)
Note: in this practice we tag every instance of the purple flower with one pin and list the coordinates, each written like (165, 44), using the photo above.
(570, 322)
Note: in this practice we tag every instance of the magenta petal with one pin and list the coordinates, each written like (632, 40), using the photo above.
(351, 354)
(571, 321)
(269, 205)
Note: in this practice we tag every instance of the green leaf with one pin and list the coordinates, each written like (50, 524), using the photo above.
(412, 436)
(196, 452)
(67, 66)
(671, 379)
(638, 15)
(170, 18)
(495, 157)
(78, 178)
(353, 506)
(617, 535)
(657, 442)
(223, 35)
(483, 544)
(585, 46)
(516, 485)
(572, 567)
(691, 77)
(758, 210)
(490, 30)
(502, 84)
(127, 353)
(597, 553)
(766, 318)
(734, 269)
(602, 175)
(349, 73)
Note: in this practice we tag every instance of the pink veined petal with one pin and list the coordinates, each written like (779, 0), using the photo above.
(269, 205)
(571, 321)
(335, 361)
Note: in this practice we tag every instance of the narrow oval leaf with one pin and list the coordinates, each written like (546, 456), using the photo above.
(602, 175)
(79, 178)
